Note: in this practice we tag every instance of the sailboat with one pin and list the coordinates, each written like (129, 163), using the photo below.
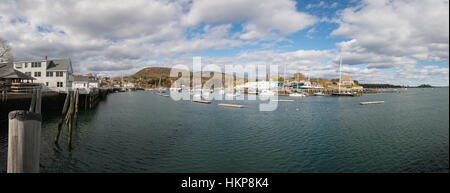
(160, 89)
(339, 84)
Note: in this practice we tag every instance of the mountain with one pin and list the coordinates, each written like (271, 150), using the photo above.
(151, 73)
(151, 76)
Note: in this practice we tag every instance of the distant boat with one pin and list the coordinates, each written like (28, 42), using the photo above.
(252, 92)
(339, 83)
(267, 93)
(319, 94)
(371, 102)
(344, 94)
(297, 95)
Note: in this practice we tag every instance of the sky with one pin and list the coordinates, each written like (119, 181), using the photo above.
(404, 42)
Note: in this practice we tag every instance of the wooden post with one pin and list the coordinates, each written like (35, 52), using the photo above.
(85, 102)
(63, 113)
(24, 142)
(38, 101)
(75, 116)
(69, 119)
(33, 101)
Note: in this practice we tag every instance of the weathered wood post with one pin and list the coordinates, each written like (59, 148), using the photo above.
(24, 142)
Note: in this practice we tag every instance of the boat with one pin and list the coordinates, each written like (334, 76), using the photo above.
(344, 94)
(319, 94)
(371, 102)
(267, 93)
(297, 95)
(339, 93)
(282, 100)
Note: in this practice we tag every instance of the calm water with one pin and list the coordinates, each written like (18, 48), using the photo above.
(144, 132)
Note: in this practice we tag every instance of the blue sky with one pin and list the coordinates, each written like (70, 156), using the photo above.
(381, 41)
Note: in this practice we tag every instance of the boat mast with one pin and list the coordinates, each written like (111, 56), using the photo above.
(340, 73)
(159, 83)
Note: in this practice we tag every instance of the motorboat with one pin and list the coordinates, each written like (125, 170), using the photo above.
(297, 94)
(319, 94)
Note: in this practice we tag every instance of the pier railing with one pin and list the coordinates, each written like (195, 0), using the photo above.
(24, 87)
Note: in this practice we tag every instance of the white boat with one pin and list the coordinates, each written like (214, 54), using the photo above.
(297, 95)
(371, 102)
(319, 94)
(318, 87)
(205, 94)
(267, 93)
(252, 92)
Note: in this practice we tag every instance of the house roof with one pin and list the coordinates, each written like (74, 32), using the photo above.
(81, 78)
(7, 71)
(346, 78)
(59, 64)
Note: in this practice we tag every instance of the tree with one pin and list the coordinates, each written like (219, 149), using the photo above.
(5, 50)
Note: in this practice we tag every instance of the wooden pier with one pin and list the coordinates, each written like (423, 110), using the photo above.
(202, 101)
(231, 105)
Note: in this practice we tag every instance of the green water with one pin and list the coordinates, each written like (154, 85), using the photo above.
(144, 132)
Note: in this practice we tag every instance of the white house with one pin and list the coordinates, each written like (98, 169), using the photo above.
(81, 82)
(55, 75)
(85, 83)
(347, 81)
(94, 82)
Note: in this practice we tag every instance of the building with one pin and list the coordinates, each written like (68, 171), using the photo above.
(14, 80)
(85, 83)
(299, 76)
(347, 81)
(80, 82)
(55, 75)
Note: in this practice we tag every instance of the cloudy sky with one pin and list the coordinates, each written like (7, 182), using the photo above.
(381, 41)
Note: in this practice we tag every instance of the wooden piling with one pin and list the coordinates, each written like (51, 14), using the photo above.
(38, 101)
(33, 101)
(69, 119)
(85, 102)
(75, 116)
(24, 142)
(61, 120)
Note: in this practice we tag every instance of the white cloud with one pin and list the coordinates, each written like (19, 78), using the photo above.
(390, 33)
(262, 19)
(322, 4)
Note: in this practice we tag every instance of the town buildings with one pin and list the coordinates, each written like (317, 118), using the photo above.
(55, 75)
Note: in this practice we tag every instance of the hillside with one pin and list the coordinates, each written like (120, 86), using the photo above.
(151, 73)
(150, 76)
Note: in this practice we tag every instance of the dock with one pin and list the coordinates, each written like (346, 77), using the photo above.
(231, 105)
(371, 102)
(202, 101)
(283, 100)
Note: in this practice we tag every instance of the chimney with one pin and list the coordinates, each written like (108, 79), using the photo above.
(45, 58)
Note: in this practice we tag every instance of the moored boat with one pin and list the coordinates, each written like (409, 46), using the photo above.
(297, 95)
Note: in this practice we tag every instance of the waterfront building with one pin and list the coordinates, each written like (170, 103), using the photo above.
(55, 75)
(14, 80)
(347, 81)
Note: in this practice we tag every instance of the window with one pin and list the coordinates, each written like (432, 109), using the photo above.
(46, 83)
(59, 74)
(26, 65)
(19, 65)
(59, 84)
(35, 64)
(49, 74)
(37, 74)
(28, 73)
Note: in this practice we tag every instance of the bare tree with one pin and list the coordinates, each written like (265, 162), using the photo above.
(5, 50)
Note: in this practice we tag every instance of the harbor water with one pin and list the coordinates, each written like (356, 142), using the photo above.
(145, 132)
